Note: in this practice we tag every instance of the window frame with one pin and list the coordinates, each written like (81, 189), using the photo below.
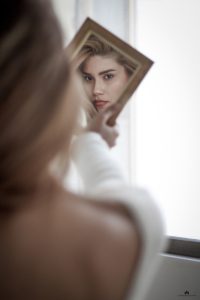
(183, 247)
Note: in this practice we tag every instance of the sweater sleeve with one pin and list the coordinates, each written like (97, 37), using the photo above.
(103, 180)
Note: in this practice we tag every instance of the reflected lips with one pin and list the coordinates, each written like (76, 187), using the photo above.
(100, 104)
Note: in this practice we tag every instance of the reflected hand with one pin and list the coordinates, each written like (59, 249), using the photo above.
(78, 60)
(99, 124)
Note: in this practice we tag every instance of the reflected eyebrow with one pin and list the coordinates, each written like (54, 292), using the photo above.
(88, 74)
(100, 73)
(106, 71)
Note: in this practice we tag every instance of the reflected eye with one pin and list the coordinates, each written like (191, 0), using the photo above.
(87, 77)
(108, 76)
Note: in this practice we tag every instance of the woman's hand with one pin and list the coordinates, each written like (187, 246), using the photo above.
(99, 124)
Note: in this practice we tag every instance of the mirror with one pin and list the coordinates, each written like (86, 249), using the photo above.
(110, 69)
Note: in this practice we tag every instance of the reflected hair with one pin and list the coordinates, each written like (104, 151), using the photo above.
(35, 117)
(96, 46)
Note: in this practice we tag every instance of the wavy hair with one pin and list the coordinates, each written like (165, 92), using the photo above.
(35, 115)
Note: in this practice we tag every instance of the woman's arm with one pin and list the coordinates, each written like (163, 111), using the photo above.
(104, 182)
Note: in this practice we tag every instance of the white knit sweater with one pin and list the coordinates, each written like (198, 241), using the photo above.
(103, 179)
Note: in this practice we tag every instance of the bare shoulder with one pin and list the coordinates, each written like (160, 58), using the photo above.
(109, 247)
(115, 251)
(82, 249)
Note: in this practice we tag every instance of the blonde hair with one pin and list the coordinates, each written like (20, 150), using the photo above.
(36, 119)
(96, 46)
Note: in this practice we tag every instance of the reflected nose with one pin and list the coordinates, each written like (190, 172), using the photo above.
(98, 88)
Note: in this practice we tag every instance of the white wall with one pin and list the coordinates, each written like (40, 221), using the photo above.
(168, 110)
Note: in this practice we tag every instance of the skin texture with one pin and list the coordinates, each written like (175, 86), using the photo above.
(61, 246)
(99, 125)
(104, 79)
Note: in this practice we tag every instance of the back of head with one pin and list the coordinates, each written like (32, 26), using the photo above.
(35, 116)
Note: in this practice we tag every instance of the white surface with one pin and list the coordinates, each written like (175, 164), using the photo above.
(168, 111)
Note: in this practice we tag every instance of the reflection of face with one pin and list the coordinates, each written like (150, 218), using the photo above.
(104, 80)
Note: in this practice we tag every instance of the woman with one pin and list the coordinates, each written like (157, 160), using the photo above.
(56, 244)
(105, 72)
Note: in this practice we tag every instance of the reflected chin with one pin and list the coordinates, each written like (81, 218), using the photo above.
(99, 109)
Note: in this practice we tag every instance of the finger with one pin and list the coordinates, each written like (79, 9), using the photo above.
(116, 127)
(115, 109)
(116, 133)
(112, 144)
(107, 114)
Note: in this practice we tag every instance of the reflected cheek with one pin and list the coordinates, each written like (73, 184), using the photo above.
(116, 88)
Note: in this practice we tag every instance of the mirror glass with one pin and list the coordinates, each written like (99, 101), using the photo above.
(110, 70)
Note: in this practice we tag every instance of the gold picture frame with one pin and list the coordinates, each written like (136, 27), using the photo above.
(141, 62)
